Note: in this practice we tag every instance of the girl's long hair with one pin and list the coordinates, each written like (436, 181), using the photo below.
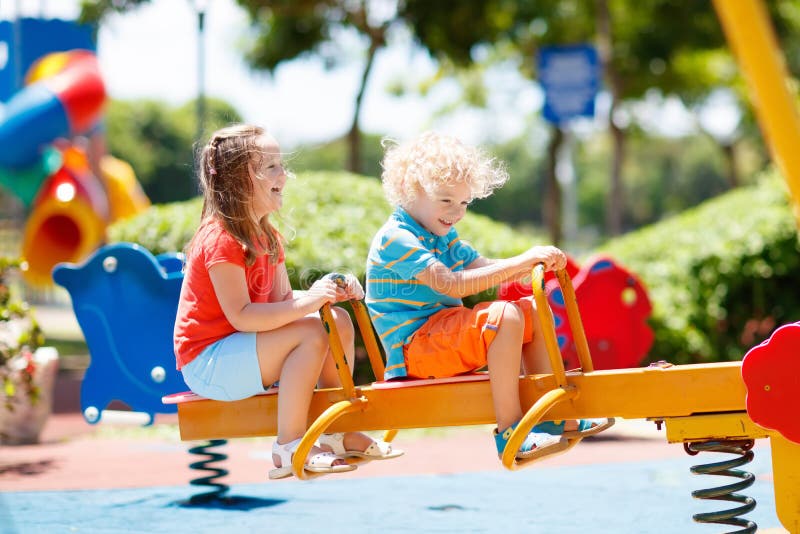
(228, 190)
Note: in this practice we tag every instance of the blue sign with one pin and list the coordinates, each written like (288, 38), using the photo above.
(570, 77)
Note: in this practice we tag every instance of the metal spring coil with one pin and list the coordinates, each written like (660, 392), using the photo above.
(742, 448)
(215, 472)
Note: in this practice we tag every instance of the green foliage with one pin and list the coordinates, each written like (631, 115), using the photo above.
(157, 140)
(720, 276)
(160, 228)
(328, 218)
(664, 176)
(332, 156)
(520, 200)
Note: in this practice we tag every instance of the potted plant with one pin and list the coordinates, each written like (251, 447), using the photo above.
(27, 370)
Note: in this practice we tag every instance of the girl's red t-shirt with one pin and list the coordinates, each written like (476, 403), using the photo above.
(200, 320)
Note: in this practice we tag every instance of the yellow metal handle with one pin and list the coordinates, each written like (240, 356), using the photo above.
(316, 429)
(548, 326)
(342, 368)
(368, 336)
(528, 421)
(575, 323)
(335, 342)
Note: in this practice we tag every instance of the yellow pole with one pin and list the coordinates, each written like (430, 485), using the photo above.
(575, 323)
(545, 317)
(337, 350)
(749, 32)
(368, 336)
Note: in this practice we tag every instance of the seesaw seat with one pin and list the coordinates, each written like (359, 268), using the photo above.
(189, 396)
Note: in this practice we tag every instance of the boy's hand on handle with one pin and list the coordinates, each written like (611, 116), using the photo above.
(348, 286)
(352, 289)
(552, 258)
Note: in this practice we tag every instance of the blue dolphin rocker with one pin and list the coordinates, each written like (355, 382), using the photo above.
(125, 300)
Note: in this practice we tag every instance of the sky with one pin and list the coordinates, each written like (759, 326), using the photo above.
(152, 53)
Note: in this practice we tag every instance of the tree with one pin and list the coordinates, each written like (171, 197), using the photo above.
(643, 46)
(284, 30)
(287, 29)
(157, 140)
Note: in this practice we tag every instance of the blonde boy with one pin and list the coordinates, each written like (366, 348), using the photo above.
(418, 270)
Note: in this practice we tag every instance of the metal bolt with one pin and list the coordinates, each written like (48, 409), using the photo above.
(110, 264)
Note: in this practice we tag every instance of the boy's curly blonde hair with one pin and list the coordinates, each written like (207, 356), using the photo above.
(432, 160)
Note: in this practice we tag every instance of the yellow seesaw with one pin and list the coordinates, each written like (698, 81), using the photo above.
(698, 403)
(703, 406)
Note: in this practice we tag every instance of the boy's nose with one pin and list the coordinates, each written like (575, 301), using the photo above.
(458, 211)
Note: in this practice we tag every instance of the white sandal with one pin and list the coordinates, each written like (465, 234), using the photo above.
(321, 462)
(377, 450)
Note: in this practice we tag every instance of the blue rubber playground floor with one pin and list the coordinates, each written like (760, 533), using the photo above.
(626, 497)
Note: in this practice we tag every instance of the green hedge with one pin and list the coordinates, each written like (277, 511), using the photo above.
(328, 218)
(721, 276)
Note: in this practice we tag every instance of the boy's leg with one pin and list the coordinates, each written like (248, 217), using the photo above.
(534, 354)
(535, 360)
(503, 358)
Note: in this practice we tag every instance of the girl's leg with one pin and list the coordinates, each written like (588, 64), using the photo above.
(293, 354)
(503, 358)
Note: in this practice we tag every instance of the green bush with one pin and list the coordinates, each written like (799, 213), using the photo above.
(328, 218)
(721, 276)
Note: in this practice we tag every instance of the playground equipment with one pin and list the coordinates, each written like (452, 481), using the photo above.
(65, 97)
(125, 300)
(719, 407)
(605, 289)
(70, 204)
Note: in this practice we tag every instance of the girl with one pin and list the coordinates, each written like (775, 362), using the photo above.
(239, 327)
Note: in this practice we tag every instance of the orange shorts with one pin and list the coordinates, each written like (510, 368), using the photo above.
(456, 340)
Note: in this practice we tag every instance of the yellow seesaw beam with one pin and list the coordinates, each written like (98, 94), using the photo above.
(637, 393)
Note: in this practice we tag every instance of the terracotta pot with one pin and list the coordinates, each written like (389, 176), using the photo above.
(24, 424)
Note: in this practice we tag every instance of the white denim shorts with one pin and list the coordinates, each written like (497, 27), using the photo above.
(226, 370)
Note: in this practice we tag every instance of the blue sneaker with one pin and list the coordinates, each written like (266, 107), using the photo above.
(535, 445)
(586, 427)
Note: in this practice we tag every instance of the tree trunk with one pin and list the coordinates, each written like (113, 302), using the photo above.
(354, 135)
(551, 209)
(615, 199)
(729, 151)
(616, 204)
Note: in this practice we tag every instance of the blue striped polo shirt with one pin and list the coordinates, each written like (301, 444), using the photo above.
(398, 303)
